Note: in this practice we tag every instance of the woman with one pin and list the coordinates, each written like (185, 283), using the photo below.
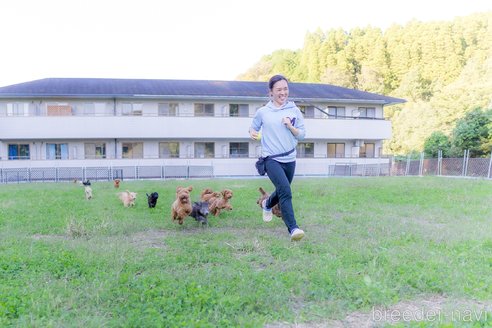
(282, 125)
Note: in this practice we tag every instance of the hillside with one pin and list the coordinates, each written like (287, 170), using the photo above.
(443, 69)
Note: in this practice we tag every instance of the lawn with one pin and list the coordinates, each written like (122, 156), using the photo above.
(375, 249)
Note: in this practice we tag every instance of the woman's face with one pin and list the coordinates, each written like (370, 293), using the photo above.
(280, 92)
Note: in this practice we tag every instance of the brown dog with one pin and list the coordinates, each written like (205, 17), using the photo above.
(116, 183)
(264, 195)
(181, 207)
(208, 195)
(221, 203)
(128, 198)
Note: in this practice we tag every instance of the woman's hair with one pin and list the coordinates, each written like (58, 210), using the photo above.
(274, 79)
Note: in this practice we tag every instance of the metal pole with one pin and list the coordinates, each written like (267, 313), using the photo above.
(490, 166)
(463, 165)
(421, 164)
(466, 161)
(439, 162)
(407, 168)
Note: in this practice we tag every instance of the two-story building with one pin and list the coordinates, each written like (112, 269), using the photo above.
(85, 122)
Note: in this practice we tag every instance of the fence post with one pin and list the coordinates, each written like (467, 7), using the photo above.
(439, 162)
(467, 156)
(464, 163)
(407, 168)
(490, 166)
(421, 164)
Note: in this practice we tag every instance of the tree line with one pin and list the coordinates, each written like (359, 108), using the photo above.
(443, 69)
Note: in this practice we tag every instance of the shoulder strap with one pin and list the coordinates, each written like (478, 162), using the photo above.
(283, 154)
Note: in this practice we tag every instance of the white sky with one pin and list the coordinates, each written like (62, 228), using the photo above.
(181, 39)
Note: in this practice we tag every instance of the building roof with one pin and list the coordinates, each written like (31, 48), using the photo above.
(180, 89)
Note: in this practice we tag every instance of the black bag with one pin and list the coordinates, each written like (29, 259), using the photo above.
(261, 165)
(261, 162)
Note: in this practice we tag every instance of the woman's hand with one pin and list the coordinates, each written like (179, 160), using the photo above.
(286, 121)
(288, 124)
(255, 135)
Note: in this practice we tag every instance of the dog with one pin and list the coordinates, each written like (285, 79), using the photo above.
(128, 198)
(86, 183)
(264, 195)
(116, 183)
(200, 212)
(181, 207)
(152, 199)
(88, 192)
(208, 195)
(221, 203)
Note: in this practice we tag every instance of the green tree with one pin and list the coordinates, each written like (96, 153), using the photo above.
(472, 131)
(437, 141)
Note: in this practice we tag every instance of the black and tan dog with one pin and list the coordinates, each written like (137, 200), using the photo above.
(152, 199)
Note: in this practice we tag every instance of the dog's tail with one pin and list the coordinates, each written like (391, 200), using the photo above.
(263, 192)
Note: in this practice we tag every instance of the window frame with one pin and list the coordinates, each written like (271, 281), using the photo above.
(337, 153)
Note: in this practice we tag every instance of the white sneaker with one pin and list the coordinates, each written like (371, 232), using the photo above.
(296, 234)
(267, 214)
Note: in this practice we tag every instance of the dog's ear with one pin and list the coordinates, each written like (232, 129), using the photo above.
(147, 195)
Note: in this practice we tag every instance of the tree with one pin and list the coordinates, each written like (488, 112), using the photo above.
(472, 131)
(437, 141)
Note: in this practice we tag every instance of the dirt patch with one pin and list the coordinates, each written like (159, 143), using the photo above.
(149, 239)
(49, 237)
(434, 308)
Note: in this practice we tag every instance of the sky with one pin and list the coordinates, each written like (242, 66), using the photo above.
(182, 39)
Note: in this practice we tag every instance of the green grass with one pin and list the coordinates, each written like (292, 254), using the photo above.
(68, 262)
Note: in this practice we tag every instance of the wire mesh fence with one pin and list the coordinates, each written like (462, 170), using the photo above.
(457, 167)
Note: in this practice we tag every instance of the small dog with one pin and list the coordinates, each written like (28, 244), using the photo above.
(116, 183)
(152, 199)
(86, 183)
(128, 198)
(88, 192)
(200, 212)
(264, 195)
(208, 195)
(181, 207)
(221, 203)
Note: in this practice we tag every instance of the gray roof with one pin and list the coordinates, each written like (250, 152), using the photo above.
(146, 88)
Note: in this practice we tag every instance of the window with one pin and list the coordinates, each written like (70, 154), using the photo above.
(131, 109)
(19, 151)
(132, 150)
(168, 109)
(95, 150)
(367, 112)
(367, 150)
(168, 149)
(17, 109)
(307, 111)
(305, 149)
(336, 150)
(59, 109)
(204, 109)
(204, 150)
(238, 110)
(86, 109)
(238, 149)
(336, 112)
(56, 151)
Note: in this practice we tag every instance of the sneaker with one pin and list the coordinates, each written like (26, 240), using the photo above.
(267, 214)
(296, 234)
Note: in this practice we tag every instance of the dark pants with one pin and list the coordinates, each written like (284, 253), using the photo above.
(281, 175)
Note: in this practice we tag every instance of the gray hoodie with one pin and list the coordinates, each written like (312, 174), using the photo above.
(276, 138)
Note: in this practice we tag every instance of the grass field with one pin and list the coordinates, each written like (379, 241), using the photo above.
(374, 247)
